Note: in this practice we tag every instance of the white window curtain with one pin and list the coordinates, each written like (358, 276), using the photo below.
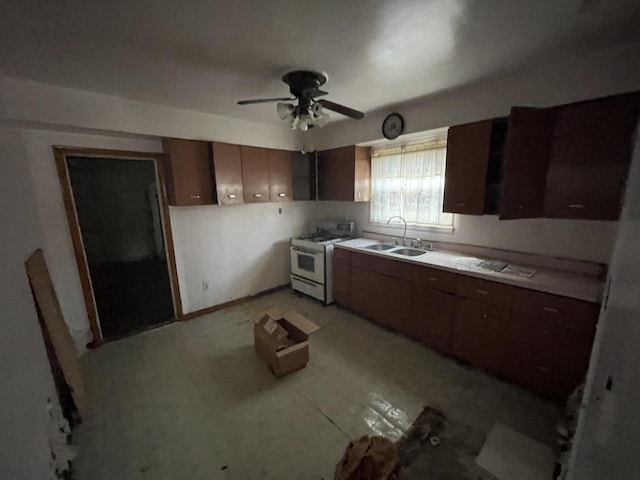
(409, 181)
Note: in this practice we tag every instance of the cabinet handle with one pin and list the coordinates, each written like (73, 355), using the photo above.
(549, 309)
(233, 195)
(433, 279)
(542, 369)
(257, 195)
(462, 204)
(282, 194)
(577, 205)
(546, 333)
(482, 292)
(484, 315)
(195, 196)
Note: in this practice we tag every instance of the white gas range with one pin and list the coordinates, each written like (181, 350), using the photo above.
(311, 259)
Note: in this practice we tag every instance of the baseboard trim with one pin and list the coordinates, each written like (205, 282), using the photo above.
(232, 303)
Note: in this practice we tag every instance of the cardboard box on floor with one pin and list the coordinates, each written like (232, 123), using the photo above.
(282, 341)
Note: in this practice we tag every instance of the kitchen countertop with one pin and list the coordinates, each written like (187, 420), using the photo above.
(557, 282)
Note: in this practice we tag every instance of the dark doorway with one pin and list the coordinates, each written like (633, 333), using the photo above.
(119, 216)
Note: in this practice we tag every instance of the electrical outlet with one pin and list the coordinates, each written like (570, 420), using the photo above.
(205, 286)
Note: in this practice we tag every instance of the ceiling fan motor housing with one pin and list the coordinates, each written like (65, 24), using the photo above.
(303, 83)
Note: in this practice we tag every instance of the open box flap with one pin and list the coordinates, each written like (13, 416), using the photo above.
(273, 312)
(301, 323)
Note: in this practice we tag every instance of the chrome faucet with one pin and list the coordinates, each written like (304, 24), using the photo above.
(404, 234)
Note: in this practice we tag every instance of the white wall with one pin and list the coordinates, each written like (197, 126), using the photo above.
(25, 102)
(57, 239)
(606, 443)
(549, 83)
(25, 375)
(578, 239)
(238, 250)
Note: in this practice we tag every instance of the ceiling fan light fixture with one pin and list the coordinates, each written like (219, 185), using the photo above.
(322, 119)
(285, 110)
(305, 122)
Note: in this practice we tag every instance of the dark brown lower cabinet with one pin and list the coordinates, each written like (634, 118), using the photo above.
(480, 335)
(539, 341)
(431, 319)
(384, 299)
(342, 277)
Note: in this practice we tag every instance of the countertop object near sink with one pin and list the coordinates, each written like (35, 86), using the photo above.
(395, 249)
(558, 282)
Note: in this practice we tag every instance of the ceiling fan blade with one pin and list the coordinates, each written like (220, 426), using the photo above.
(336, 107)
(317, 93)
(265, 100)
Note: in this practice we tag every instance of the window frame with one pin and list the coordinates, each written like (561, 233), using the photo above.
(392, 228)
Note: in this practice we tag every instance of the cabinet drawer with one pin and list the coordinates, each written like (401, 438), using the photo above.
(374, 263)
(430, 277)
(491, 293)
(558, 313)
(362, 260)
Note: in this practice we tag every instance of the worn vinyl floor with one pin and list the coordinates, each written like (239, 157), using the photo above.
(192, 401)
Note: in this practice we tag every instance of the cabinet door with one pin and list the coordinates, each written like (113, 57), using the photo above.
(190, 176)
(362, 174)
(590, 158)
(227, 165)
(432, 317)
(525, 162)
(480, 335)
(468, 149)
(336, 174)
(384, 299)
(547, 357)
(344, 174)
(255, 174)
(280, 175)
(342, 276)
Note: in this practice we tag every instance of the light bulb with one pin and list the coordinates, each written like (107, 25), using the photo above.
(316, 109)
(284, 110)
(295, 122)
(322, 120)
(304, 123)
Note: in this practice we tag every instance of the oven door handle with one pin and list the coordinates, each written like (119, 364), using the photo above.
(307, 282)
(301, 250)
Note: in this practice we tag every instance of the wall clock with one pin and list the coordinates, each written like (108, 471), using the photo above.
(392, 126)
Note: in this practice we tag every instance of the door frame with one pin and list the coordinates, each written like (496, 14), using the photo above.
(60, 154)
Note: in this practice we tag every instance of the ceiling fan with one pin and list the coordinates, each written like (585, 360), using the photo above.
(305, 85)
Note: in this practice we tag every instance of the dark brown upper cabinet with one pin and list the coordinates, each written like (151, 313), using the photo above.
(189, 172)
(590, 157)
(526, 161)
(280, 175)
(569, 161)
(227, 166)
(255, 174)
(473, 171)
(305, 176)
(344, 174)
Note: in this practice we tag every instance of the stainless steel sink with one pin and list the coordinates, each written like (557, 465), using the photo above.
(379, 247)
(409, 252)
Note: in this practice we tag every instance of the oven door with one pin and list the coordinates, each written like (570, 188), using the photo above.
(309, 265)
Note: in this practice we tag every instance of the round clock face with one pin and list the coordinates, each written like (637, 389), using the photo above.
(392, 126)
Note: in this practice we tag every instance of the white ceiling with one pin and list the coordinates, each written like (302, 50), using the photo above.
(206, 55)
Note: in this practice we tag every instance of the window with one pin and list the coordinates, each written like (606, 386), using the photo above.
(409, 181)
